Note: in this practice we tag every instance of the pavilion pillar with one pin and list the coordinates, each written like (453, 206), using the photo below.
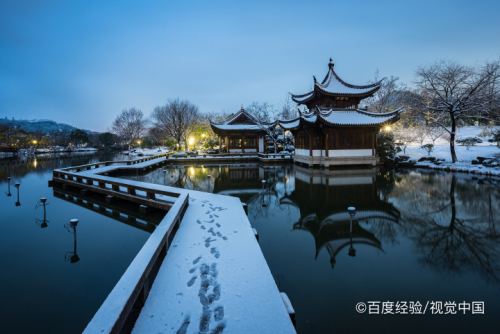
(310, 145)
(326, 144)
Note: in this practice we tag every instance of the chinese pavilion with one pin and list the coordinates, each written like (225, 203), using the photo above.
(335, 131)
(241, 133)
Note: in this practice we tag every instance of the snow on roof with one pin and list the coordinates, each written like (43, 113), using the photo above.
(356, 117)
(251, 127)
(235, 123)
(342, 117)
(333, 84)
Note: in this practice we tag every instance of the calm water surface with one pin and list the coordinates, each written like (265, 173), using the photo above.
(53, 276)
(417, 236)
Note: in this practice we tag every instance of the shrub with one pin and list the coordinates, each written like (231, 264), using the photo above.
(469, 141)
(386, 149)
(428, 148)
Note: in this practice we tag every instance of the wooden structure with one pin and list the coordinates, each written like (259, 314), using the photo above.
(152, 294)
(335, 131)
(241, 133)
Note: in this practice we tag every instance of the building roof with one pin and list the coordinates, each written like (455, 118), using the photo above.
(342, 117)
(239, 122)
(333, 85)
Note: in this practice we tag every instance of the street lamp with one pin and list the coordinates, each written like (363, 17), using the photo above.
(387, 128)
(34, 141)
(352, 212)
(191, 141)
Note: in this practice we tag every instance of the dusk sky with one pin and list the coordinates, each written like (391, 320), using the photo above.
(82, 62)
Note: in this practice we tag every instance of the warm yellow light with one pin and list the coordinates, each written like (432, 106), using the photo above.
(139, 142)
(191, 141)
(34, 142)
(387, 128)
(203, 135)
(35, 163)
(191, 171)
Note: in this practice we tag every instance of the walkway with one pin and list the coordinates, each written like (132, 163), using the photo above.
(201, 270)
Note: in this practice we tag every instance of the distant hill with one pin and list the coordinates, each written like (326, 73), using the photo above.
(42, 125)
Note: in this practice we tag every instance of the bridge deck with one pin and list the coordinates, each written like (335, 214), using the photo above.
(213, 278)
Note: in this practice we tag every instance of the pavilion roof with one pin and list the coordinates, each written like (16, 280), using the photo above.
(242, 121)
(341, 117)
(333, 85)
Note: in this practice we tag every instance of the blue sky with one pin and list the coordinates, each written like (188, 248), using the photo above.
(82, 62)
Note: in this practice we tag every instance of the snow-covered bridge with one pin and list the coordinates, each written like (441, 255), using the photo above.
(200, 270)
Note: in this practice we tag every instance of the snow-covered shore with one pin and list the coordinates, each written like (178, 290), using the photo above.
(467, 157)
(147, 152)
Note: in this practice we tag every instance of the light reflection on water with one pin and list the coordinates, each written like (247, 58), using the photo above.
(416, 236)
(56, 274)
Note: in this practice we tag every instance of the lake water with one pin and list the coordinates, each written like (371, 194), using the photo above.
(55, 276)
(416, 237)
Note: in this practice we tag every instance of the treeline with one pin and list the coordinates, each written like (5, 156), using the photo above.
(180, 124)
(15, 137)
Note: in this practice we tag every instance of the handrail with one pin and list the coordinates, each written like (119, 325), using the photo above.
(75, 177)
(119, 311)
(114, 162)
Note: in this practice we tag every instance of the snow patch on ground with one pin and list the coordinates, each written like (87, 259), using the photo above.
(465, 156)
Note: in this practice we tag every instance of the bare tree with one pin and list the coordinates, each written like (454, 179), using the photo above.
(387, 98)
(176, 119)
(129, 125)
(288, 110)
(263, 114)
(452, 93)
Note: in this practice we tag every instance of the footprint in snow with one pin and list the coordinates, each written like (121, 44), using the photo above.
(191, 281)
(219, 313)
(184, 326)
(195, 261)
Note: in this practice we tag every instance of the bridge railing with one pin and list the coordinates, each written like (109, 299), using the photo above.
(120, 188)
(119, 311)
(99, 164)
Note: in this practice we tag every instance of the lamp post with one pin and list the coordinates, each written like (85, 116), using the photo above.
(352, 212)
(73, 256)
(18, 202)
(8, 187)
(44, 221)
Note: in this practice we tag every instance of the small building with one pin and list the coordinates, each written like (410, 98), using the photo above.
(334, 130)
(241, 133)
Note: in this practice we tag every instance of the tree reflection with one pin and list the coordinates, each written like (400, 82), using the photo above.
(452, 238)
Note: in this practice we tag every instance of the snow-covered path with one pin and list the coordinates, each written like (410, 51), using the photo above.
(214, 277)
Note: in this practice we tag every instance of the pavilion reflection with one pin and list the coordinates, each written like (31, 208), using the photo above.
(323, 197)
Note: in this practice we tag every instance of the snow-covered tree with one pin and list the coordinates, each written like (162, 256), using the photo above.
(264, 113)
(452, 93)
